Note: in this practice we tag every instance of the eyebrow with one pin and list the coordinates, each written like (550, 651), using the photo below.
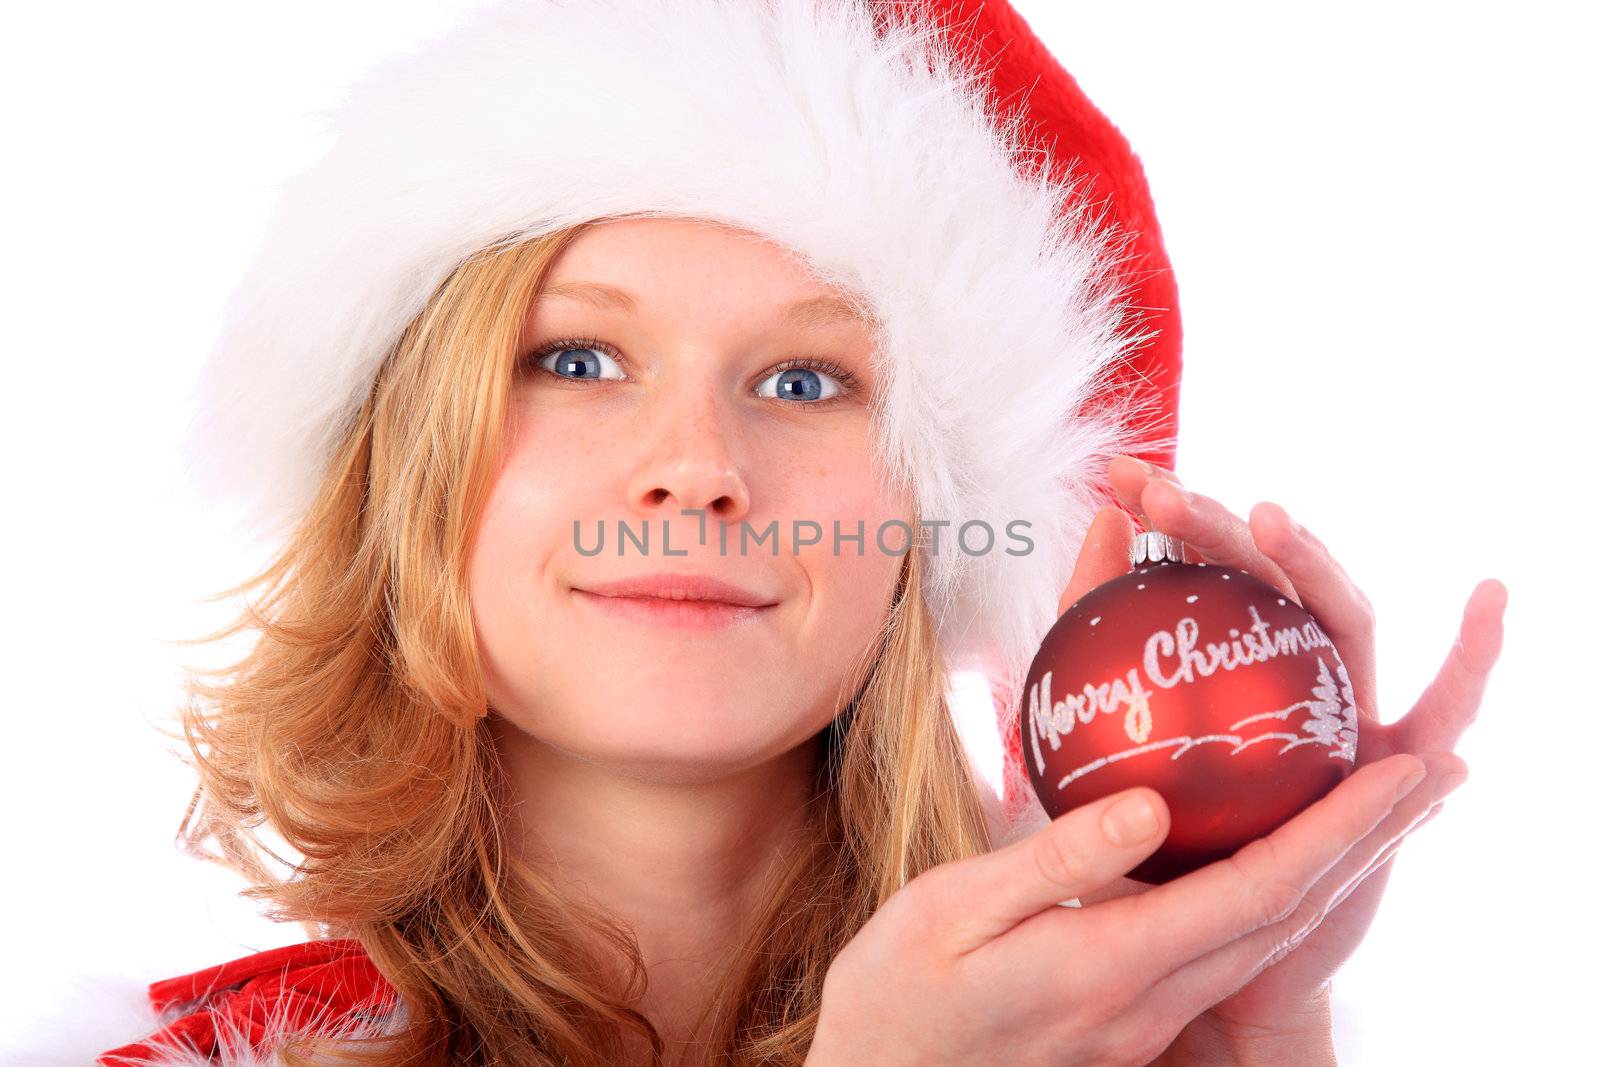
(812, 311)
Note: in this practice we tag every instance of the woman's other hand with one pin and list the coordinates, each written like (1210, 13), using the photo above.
(1292, 994)
(973, 961)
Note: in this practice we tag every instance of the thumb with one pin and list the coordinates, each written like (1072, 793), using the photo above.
(1104, 554)
(1079, 851)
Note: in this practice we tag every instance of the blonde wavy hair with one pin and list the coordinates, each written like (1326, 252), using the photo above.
(354, 731)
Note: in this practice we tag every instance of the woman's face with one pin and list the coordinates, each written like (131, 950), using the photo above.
(674, 397)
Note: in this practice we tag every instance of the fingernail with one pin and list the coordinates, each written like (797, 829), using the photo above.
(1148, 469)
(1130, 820)
(1449, 784)
(1410, 782)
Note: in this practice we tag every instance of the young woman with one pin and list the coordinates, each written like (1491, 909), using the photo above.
(608, 383)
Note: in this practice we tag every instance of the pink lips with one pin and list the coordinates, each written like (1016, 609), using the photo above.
(680, 601)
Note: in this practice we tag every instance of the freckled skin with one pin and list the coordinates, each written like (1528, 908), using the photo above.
(663, 767)
(687, 431)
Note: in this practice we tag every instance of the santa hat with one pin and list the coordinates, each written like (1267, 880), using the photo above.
(930, 156)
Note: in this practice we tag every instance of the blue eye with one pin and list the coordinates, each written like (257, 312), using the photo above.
(800, 383)
(575, 361)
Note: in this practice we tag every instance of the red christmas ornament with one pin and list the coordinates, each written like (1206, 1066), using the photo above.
(1200, 681)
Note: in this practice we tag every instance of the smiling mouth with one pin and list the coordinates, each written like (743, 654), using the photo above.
(684, 614)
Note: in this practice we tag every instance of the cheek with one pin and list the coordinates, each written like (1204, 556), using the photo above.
(553, 454)
(833, 483)
(851, 580)
(544, 482)
(548, 478)
(533, 500)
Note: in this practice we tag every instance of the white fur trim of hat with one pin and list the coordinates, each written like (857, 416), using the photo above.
(872, 150)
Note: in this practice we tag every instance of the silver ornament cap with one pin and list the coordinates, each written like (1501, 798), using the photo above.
(1153, 546)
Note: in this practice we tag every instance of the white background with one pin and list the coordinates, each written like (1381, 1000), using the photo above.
(1382, 221)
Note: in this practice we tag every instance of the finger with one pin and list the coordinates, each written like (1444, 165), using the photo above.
(1117, 887)
(1432, 812)
(979, 899)
(1104, 555)
(1376, 876)
(1258, 885)
(1378, 869)
(1211, 533)
(1128, 476)
(1326, 591)
(1446, 772)
(1367, 889)
(1447, 783)
(1450, 703)
(1198, 984)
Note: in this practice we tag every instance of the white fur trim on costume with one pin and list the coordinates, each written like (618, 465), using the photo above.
(877, 158)
(109, 1008)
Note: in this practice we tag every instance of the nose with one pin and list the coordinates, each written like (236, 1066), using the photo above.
(689, 464)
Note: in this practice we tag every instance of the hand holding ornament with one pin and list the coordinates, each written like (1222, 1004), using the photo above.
(1288, 995)
(974, 962)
